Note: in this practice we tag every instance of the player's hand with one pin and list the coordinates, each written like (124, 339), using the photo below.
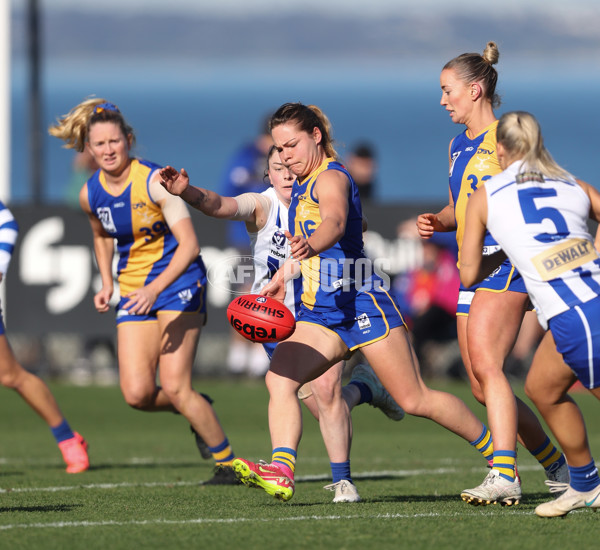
(427, 225)
(140, 301)
(102, 299)
(275, 288)
(299, 247)
(173, 181)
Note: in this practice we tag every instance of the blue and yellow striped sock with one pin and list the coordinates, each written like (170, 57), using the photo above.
(547, 455)
(505, 463)
(484, 443)
(285, 456)
(223, 453)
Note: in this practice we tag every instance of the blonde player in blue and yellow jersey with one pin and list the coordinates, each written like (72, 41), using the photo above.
(161, 275)
(345, 303)
(30, 387)
(489, 314)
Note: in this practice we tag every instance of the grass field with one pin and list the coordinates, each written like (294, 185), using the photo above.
(143, 489)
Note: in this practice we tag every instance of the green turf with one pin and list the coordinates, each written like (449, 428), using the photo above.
(143, 489)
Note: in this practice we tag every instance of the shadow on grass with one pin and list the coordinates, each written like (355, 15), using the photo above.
(8, 473)
(48, 508)
(413, 498)
(96, 467)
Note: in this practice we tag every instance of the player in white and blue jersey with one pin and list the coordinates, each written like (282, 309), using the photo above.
(30, 387)
(538, 213)
(161, 276)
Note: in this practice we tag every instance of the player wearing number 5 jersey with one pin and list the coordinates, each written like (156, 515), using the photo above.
(161, 276)
(538, 214)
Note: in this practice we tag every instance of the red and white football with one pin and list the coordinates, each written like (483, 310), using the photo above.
(261, 318)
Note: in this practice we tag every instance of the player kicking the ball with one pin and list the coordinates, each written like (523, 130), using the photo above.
(266, 217)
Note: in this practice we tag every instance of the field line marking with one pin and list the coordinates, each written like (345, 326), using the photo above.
(337, 517)
(316, 477)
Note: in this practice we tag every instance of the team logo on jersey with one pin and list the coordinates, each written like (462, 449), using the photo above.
(278, 246)
(279, 239)
(453, 160)
(364, 323)
(482, 165)
(104, 214)
(185, 296)
(303, 211)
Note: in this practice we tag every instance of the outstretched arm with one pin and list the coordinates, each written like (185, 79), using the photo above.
(208, 202)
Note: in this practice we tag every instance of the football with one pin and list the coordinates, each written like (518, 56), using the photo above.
(260, 318)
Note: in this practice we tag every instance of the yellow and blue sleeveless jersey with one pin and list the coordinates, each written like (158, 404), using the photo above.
(330, 278)
(144, 240)
(472, 161)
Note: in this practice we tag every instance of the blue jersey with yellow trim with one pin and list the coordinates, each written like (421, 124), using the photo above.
(144, 240)
(472, 161)
(332, 277)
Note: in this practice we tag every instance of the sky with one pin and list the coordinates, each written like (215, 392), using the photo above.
(371, 8)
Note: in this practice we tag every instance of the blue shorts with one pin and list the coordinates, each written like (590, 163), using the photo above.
(577, 336)
(506, 277)
(270, 348)
(364, 320)
(187, 300)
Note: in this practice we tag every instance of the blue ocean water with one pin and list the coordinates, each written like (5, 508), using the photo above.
(195, 116)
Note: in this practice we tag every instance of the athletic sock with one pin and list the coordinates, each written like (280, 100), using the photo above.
(285, 457)
(484, 443)
(505, 462)
(366, 396)
(340, 470)
(62, 432)
(547, 455)
(222, 453)
(584, 478)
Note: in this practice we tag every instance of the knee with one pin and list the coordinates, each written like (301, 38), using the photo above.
(539, 396)
(12, 376)
(281, 385)
(137, 398)
(324, 392)
(176, 393)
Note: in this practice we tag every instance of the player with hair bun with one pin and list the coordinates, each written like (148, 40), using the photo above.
(489, 314)
(161, 275)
